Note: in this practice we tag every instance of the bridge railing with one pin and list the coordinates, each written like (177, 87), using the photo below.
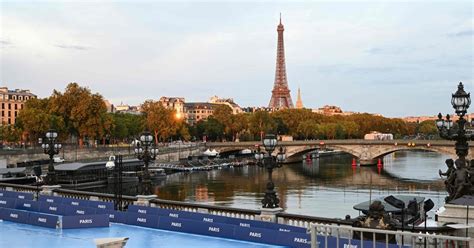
(349, 236)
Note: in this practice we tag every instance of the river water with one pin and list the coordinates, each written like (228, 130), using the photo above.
(326, 187)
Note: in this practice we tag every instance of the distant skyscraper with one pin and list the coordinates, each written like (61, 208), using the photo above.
(299, 102)
(281, 97)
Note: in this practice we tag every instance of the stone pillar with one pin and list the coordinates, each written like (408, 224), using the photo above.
(458, 214)
(48, 189)
(110, 242)
(144, 200)
(269, 214)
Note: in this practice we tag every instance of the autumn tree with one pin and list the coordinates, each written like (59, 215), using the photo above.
(160, 120)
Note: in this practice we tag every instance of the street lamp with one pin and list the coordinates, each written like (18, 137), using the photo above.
(146, 151)
(460, 101)
(51, 147)
(270, 162)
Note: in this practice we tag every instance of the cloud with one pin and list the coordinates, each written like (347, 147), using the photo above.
(462, 33)
(73, 47)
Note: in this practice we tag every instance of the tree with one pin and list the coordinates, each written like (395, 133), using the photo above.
(240, 123)
(223, 114)
(261, 122)
(308, 129)
(160, 120)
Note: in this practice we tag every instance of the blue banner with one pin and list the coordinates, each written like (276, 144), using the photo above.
(259, 235)
(142, 220)
(85, 221)
(101, 205)
(75, 202)
(50, 199)
(208, 218)
(284, 228)
(245, 223)
(118, 217)
(211, 229)
(7, 202)
(142, 210)
(14, 215)
(44, 220)
(73, 210)
(174, 213)
(15, 194)
(174, 224)
(51, 208)
(297, 240)
(27, 205)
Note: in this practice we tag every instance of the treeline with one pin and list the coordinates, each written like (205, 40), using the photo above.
(303, 124)
(81, 116)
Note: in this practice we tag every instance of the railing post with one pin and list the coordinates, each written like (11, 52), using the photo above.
(144, 200)
(269, 214)
(49, 189)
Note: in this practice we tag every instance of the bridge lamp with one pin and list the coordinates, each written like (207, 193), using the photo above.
(146, 138)
(281, 156)
(51, 134)
(440, 121)
(270, 142)
(461, 100)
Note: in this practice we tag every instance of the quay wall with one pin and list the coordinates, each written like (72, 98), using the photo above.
(11, 158)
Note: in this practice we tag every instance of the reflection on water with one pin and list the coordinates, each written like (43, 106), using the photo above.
(326, 187)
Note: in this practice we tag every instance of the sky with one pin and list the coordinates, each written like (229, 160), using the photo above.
(396, 58)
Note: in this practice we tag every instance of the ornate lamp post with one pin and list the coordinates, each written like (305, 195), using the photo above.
(146, 151)
(51, 147)
(270, 162)
(460, 101)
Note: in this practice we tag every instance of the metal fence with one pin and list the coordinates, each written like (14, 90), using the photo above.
(325, 236)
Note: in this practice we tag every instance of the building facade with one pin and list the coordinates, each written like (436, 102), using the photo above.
(197, 111)
(12, 101)
(236, 109)
(176, 104)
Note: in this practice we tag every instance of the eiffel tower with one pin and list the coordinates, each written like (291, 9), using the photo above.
(281, 97)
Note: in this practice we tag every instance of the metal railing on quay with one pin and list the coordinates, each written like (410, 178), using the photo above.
(305, 220)
(324, 235)
(209, 209)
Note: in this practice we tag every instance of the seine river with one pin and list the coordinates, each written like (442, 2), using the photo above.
(327, 187)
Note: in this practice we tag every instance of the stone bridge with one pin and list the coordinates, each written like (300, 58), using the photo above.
(367, 151)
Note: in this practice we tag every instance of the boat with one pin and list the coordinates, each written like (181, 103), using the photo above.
(91, 174)
(411, 215)
(156, 174)
(16, 176)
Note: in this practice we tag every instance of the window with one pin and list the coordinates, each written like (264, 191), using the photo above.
(3, 105)
(9, 114)
(16, 113)
(9, 121)
(9, 106)
(3, 113)
(16, 107)
(21, 106)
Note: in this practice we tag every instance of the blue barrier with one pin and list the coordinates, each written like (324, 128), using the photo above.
(51, 208)
(174, 224)
(291, 239)
(85, 221)
(14, 215)
(142, 220)
(17, 195)
(73, 210)
(142, 210)
(284, 228)
(245, 223)
(75, 202)
(44, 220)
(174, 213)
(212, 229)
(27, 205)
(208, 218)
(259, 235)
(101, 205)
(50, 199)
(118, 217)
(6, 202)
